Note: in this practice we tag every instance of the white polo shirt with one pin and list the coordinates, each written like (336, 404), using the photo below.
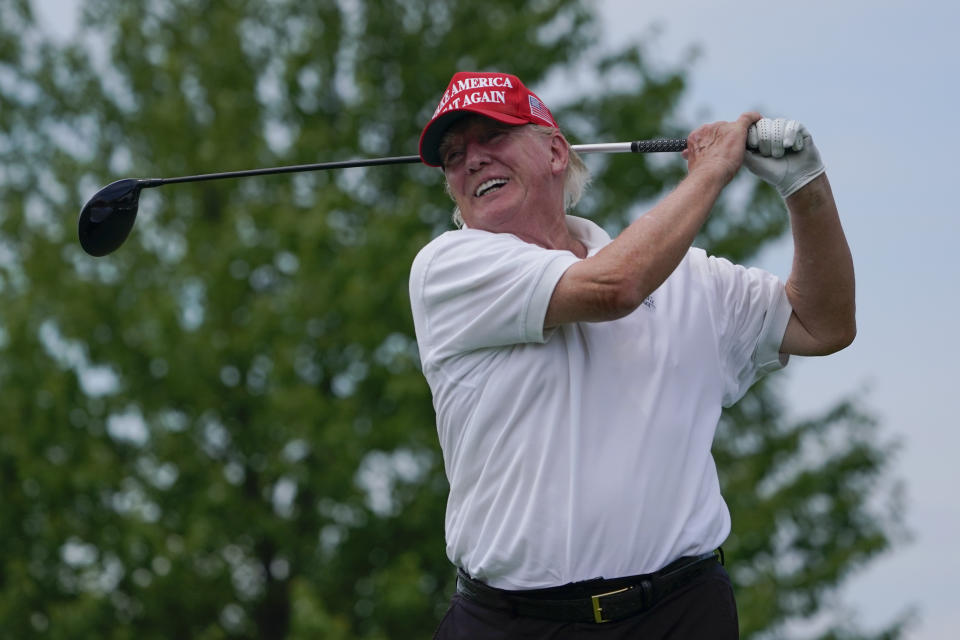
(583, 451)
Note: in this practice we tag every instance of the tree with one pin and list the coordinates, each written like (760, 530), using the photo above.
(221, 431)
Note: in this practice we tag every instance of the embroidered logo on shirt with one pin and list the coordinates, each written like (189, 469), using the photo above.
(649, 303)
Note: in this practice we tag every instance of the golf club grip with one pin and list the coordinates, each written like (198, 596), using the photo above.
(658, 146)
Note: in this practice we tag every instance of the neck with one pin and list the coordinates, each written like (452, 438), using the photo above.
(554, 234)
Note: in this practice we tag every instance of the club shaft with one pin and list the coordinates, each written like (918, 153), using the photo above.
(637, 146)
(343, 164)
(657, 145)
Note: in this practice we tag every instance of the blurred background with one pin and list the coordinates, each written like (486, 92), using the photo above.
(221, 430)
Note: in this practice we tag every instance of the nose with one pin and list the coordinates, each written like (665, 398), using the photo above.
(476, 156)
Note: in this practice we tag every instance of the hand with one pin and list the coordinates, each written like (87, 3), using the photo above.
(781, 152)
(719, 145)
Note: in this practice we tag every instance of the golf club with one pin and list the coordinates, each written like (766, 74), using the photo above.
(107, 218)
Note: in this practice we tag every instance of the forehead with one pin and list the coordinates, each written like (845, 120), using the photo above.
(472, 124)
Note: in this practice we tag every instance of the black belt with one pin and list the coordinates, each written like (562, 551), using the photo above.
(596, 600)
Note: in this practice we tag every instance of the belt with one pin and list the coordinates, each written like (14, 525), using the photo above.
(596, 600)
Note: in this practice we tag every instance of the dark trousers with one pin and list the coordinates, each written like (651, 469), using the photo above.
(702, 608)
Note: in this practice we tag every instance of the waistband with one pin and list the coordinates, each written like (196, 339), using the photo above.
(598, 600)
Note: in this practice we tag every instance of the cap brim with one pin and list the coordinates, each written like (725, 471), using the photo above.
(433, 133)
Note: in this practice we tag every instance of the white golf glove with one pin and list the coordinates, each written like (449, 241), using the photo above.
(781, 152)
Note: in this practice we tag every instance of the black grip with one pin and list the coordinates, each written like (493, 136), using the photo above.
(659, 145)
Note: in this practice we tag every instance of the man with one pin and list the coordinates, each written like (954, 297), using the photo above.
(578, 380)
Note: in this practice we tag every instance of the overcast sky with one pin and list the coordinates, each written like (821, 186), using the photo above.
(876, 85)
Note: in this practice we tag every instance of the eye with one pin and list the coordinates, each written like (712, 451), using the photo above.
(452, 157)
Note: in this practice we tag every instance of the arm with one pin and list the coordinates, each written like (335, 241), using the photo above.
(821, 283)
(615, 281)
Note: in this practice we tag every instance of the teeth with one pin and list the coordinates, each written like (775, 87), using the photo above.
(489, 185)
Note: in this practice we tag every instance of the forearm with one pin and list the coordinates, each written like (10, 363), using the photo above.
(619, 277)
(648, 251)
(821, 284)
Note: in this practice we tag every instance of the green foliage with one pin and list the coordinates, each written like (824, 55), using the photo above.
(811, 502)
(221, 430)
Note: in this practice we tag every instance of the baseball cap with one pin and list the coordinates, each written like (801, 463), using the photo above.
(500, 96)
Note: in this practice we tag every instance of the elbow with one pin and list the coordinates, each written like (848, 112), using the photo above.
(820, 340)
(624, 300)
(848, 335)
(841, 339)
(847, 330)
(612, 302)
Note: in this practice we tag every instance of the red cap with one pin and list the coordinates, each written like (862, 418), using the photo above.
(500, 96)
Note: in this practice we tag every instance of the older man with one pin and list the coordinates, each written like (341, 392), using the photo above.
(578, 380)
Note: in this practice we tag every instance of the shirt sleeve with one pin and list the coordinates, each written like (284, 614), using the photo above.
(472, 289)
(752, 311)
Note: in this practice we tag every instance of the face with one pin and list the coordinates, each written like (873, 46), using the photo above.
(503, 178)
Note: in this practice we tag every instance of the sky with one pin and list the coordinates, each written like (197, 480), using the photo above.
(876, 85)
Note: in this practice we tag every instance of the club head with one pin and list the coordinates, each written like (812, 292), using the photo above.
(108, 217)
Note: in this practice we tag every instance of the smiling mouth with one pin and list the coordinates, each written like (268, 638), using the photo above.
(489, 186)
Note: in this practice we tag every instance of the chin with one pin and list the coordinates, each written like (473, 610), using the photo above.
(492, 214)
(490, 220)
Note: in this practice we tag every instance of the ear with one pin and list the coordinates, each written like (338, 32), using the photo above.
(559, 153)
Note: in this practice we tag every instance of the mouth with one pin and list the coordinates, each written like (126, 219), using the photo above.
(489, 186)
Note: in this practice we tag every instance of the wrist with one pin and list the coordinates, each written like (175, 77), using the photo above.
(811, 195)
(714, 173)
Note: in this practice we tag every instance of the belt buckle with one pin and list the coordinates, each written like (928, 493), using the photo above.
(597, 609)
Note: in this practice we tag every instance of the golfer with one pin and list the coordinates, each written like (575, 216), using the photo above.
(578, 380)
